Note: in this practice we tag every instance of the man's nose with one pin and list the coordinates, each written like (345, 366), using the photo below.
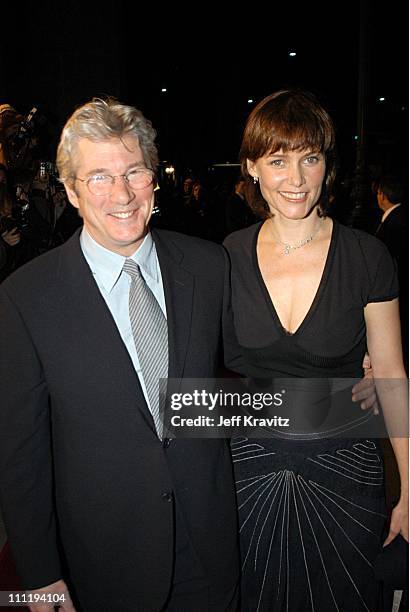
(121, 190)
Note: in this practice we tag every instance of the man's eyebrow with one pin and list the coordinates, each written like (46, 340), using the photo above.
(139, 164)
(136, 164)
(97, 171)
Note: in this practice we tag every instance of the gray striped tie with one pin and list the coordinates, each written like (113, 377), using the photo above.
(150, 331)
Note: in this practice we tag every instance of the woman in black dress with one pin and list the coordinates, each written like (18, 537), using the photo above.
(308, 297)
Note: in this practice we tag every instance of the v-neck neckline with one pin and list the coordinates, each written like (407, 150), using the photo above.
(320, 289)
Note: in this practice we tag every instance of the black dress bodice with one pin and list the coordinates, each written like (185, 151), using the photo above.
(331, 340)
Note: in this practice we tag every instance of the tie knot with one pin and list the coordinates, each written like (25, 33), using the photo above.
(132, 268)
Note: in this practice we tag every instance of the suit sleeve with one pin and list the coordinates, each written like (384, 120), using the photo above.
(396, 238)
(26, 474)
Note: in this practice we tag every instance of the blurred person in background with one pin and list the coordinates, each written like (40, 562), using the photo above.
(394, 232)
(238, 215)
(9, 233)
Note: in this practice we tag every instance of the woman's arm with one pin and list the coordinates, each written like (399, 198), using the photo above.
(384, 346)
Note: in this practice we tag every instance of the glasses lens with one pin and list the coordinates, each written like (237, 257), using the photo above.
(139, 179)
(100, 184)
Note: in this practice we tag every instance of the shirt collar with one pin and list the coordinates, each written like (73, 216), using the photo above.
(107, 265)
(388, 211)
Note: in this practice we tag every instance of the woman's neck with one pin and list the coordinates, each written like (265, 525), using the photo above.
(294, 230)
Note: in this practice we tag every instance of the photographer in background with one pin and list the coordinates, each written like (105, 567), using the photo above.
(35, 215)
(30, 221)
(10, 237)
(10, 121)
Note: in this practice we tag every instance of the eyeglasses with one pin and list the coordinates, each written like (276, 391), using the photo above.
(102, 184)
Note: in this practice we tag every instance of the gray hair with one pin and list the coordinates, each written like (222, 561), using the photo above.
(101, 120)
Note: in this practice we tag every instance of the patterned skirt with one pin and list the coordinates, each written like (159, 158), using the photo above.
(311, 517)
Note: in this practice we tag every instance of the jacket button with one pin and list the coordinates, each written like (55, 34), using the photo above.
(166, 442)
(167, 496)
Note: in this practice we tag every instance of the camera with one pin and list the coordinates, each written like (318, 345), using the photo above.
(18, 220)
(7, 224)
(19, 139)
(26, 126)
(19, 214)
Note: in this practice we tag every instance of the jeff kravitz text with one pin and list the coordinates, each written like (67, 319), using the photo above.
(235, 421)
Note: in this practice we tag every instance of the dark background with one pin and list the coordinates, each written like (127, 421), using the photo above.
(57, 55)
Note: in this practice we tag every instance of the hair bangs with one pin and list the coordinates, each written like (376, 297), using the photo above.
(295, 138)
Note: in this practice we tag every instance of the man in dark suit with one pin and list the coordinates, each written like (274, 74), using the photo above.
(238, 215)
(97, 503)
(394, 232)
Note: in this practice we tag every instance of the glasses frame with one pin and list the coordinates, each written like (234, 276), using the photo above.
(115, 176)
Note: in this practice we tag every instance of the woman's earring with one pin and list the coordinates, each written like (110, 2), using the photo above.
(255, 180)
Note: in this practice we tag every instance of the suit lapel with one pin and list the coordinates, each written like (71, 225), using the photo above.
(178, 290)
(94, 314)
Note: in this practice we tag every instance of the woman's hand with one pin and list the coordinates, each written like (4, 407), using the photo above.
(365, 391)
(399, 523)
(11, 237)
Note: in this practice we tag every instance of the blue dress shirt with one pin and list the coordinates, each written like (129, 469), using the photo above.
(114, 285)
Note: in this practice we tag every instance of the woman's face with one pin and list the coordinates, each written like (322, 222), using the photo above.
(291, 182)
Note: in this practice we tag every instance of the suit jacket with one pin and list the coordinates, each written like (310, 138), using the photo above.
(238, 215)
(80, 462)
(394, 232)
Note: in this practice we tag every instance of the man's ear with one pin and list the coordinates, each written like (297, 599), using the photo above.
(72, 196)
